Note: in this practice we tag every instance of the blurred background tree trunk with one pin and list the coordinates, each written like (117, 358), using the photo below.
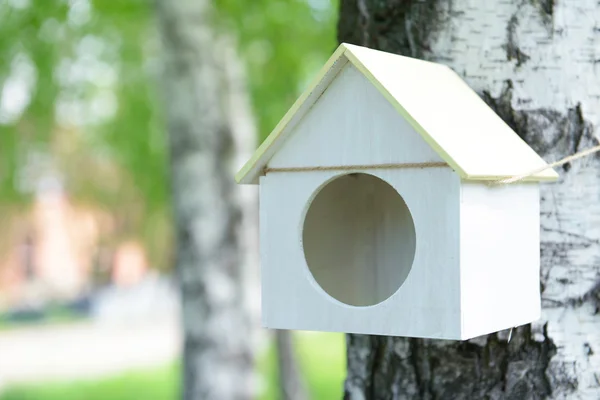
(536, 64)
(210, 130)
(291, 383)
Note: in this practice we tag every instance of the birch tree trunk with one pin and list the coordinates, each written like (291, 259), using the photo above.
(291, 382)
(210, 124)
(537, 64)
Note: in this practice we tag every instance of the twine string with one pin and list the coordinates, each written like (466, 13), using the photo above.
(558, 163)
(505, 181)
(358, 166)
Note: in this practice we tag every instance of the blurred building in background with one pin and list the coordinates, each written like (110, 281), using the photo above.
(56, 254)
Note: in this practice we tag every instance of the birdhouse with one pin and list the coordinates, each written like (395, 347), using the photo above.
(380, 211)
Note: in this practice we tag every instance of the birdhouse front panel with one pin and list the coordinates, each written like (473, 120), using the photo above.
(380, 208)
(361, 251)
(352, 123)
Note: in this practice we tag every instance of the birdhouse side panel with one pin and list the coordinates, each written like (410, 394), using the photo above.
(352, 124)
(500, 256)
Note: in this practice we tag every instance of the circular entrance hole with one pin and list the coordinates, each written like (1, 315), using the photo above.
(359, 239)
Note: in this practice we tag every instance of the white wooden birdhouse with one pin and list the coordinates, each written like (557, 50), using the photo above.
(377, 215)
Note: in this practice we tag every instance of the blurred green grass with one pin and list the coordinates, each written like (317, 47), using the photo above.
(323, 362)
(321, 357)
(155, 384)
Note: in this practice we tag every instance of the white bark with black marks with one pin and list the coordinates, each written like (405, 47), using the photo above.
(537, 64)
(209, 125)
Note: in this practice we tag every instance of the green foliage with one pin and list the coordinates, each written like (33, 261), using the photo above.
(321, 356)
(94, 109)
(23, 41)
(284, 43)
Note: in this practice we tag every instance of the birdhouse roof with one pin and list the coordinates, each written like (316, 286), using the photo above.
(475, 142)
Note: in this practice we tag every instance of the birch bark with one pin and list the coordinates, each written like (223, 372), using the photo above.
(537, 64)
(210, 130)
